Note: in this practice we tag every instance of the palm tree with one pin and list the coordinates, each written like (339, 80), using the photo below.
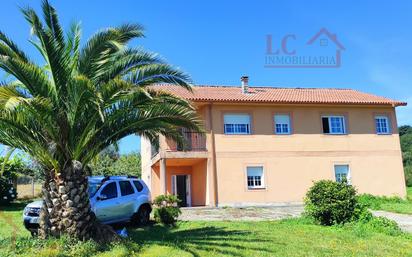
(81, 100)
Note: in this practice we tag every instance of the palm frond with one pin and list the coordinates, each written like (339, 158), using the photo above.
(52, 21)
(83, 99)
(8, 46)
(159, 73)
(73, 44)
(102, 45)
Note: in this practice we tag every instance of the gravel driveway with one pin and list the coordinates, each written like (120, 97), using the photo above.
(271, 213)
(247, 213)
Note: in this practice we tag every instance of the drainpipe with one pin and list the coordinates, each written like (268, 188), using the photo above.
(214, 166)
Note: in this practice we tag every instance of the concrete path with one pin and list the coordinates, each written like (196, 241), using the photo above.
(404, 221)
(246, 213)
(271, 213)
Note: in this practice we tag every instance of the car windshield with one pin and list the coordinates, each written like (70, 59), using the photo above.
(93, 187)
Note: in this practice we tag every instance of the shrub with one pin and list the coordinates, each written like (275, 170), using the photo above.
(384, 225)
(367, 223)
(166, 209)
(375, 202)
(330, 202)
(408, 175)
(7, 191)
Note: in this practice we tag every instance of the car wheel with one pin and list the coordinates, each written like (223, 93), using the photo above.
(34, 233)
(142, 216)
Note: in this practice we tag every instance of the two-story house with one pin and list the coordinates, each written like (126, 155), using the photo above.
(266, 145)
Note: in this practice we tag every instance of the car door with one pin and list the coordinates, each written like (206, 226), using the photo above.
(142, 194)
(107, 202)
(128, 199)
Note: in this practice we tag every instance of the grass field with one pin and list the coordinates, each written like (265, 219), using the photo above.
(293, 237)
(392, 204)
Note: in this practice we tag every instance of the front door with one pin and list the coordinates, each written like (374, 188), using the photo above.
(181, 188)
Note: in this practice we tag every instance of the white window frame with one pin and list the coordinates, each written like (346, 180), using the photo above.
(330, 124)
(262, 178)
(386, 118)
(248, 127)
(288, 124)
(348, 174)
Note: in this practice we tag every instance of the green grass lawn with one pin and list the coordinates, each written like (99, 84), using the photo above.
(293, 237)
(392, 204)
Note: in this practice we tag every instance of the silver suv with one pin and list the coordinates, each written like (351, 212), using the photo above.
(113, 199)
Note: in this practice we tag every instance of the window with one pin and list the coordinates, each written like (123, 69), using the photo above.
(282, 124)
(110, 190)
(255, 177)
(237, 123)
(333, 125)
(382, 125)
(342, 173)
(126, 188)
(138, 185)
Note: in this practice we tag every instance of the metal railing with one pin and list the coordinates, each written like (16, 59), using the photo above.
(193, 141)
(155, 147)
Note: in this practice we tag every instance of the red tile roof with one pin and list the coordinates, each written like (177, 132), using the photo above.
(278, 95)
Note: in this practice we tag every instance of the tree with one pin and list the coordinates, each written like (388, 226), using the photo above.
(406, 142)
(128, 164)
(108, 164)
(405, 133)
(405, 129)
(65, 111)
(11, 169)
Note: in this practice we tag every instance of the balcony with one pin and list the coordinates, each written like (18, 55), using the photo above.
(193, 142)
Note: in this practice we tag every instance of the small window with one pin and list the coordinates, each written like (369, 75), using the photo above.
(138, 185)
(333, 125)
(342, 173)
(237, 123)
(282, 124)
(255, 177)
(126, 188)
(382, 125)
(110, 190)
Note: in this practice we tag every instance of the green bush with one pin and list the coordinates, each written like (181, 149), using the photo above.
(166, 209)
(367, 223)
(375, 202)
(408, 175)
(384, 225)
(330, 203)
(7, 191)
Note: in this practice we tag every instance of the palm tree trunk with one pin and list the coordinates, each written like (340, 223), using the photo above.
(66, 207)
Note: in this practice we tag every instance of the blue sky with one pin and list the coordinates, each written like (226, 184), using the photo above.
(216, 42)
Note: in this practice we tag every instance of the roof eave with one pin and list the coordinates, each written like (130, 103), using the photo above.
(393, 104)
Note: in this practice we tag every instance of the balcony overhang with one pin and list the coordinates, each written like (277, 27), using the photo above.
(184, 155)
(181, 162)
(171, 157)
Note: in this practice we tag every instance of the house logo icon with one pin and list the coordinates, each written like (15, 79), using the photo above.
(323, 50)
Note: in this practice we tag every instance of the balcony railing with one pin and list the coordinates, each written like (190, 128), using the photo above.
(193, 141)
(155, 147)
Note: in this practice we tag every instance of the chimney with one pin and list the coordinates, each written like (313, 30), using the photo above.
(245, 84)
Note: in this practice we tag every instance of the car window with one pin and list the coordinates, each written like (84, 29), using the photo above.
(110, 190)
(138, 185)
(126, 188)
(93, 187)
